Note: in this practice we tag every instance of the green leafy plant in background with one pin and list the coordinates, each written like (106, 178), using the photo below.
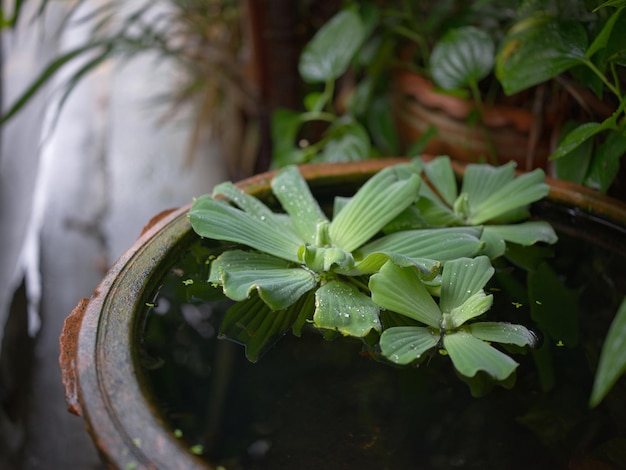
(544, 44)
(344, 275)
(347, 65)
(203, 38)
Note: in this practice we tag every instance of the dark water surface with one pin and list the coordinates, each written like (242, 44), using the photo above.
(314, 404)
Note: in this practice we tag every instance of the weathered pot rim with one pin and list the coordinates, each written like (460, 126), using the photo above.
(99, 374)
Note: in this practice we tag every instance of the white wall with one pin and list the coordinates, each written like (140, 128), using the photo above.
(81, 198)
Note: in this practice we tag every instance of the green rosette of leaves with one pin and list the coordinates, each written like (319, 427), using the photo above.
(494, 198)
(447, 324)
(299, 267)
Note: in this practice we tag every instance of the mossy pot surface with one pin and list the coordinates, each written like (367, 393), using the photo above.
(100, 354)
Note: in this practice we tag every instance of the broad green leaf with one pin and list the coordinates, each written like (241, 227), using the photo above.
(276, 281)
(405, 344)
(553, 306)
(293, 192)
(523, 190)
(538, 49)
(441, 175)
(212, 218)
(375, 204)
(439, 244)
(461, 279)
(473, 307)
(462, 57)
(606, 162)
(578, 136)
(499, 332)
(382, 127)
(341, 307)
(601, 40)
(401, 290)
(574, 165)
(351, 144)
(470, 355)
(525, 233)
(330, 51)
(253, 324)
(285, 127)
(612, 358)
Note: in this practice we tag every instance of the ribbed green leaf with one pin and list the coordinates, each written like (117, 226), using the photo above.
(523, 190)
(343, 308)
(473, 307)
(401, 290)
(438, 244)
(246, 202)
(499, 332)
(375, 204)
(538, 49)
(276, 281)
(329, 53)
(461, 279)
(218, 220)
(441, 175)
(525, 233)
(470, 355)
(462, 57)
(405, 344)
(480, 181)
(426, 268)
(293, 192)
(613, 357)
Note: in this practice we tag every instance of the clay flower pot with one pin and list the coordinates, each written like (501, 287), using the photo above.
(510, 132)
(106, 382)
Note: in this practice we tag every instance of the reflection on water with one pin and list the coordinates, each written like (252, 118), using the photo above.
(310, 403)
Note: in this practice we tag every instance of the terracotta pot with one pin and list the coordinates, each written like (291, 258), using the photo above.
(99, 359)
(510, 132)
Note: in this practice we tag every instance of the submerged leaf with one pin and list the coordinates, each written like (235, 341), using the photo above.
(612, 359)
(252, 323)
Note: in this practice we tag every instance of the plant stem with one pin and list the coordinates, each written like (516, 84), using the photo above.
(602, 77)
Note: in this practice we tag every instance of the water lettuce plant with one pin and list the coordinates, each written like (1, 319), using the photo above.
(345, 273)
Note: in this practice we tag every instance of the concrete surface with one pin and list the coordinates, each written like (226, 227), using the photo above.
(82, 197)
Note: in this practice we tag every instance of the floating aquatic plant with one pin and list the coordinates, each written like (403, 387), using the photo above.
(394, 246)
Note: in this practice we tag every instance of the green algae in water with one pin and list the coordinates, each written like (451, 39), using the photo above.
(311, 403)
